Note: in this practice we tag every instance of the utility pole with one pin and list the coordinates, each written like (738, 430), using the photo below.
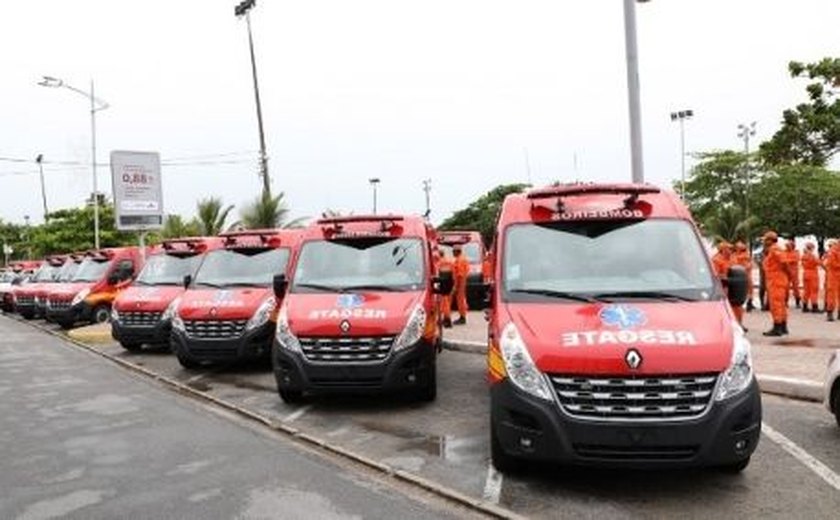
(681, 116)
(39, 160)
(374, 182)
(745, 132)
(243, 9)
(427, 188)
(633, 89)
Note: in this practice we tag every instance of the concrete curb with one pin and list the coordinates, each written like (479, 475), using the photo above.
(792, 388)
(441, 490)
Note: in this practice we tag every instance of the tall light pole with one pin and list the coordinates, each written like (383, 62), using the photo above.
(96, 105)
(633, 89)
(243, 9)
(427, 189)
(374, 182)
(681, 116)
(39, 160)
(746, 132)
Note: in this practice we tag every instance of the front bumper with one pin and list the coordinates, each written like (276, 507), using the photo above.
(68, 316)
(408, 369)
(530, 428)
(132, 334)
(252, 344)
(7, 302)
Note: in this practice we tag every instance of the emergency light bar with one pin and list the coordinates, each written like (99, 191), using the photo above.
(335, 225)
(571, 190)
(175, 244)
(359, 218)
(252, 238)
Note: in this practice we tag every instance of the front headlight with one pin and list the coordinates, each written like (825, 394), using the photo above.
(520, 367)
(80, 296)
(413, 330)
(115, 315)
(262, 314)
(739, 375)
(171, 310)
(285, 337)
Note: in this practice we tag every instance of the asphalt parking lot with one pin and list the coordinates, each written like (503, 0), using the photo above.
(793, 472)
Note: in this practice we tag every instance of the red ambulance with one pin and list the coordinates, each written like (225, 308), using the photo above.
(28, 296)
(142, 313)
(359, 312)
(227, 312)
(88, 296)
(611, 341)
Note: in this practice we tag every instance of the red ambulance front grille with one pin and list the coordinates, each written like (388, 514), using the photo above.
(635, 398)
(347, 350)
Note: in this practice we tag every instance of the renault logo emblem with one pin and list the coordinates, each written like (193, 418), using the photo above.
(633, 358)
(344, 326)
(212, 312)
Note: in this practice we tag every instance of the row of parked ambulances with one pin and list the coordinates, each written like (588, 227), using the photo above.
(610, 340)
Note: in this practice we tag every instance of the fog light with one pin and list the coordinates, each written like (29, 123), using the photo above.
(740, 445)
(411, 378)
(525, 443)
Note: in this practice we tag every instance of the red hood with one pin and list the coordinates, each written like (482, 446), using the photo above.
(368, 313)
(148, 299)
(68, 290)
(30, 289)
(672, 338)
(223, 304)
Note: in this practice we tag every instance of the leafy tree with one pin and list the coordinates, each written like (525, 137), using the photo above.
(268, 212)
(69, 230)
(729, 224)
(721, 180)
(13, 235)
(175, 227)
(212, 216)
(482, 213)
(810, 133)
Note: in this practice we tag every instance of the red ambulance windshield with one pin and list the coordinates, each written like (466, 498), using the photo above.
(91, 270)
(360, 263)
(68, 271)
(230, 268)
(657, 259)
(46, 273)
(166, 269)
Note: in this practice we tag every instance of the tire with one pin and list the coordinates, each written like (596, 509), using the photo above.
(66, 325)
(131, 347)
(736, 467)
(27, 316)
(187, 361)
(290, 396)
(835, 401)
(502, 461)
(100, 314)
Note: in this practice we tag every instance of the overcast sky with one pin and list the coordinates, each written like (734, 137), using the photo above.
(403, 90)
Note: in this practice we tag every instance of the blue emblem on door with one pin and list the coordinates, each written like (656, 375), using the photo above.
(350, 301)
(622, 316)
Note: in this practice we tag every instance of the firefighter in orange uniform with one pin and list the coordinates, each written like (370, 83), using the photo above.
(460, 270)
(742, 257)
(445, 265)
(722, 261)
(831, 263)
(776, 276)
(810, 279)
(791, 256)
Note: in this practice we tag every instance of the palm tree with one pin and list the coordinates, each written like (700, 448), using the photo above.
(268, 212)
(728, 224)
(211, 216)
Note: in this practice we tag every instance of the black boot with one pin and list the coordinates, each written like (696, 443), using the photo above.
(447, 323)
(750, 306)
(775, 331)
(784, 328)
(830, 315)
(798, 303)
(805, 308)
(815, 308)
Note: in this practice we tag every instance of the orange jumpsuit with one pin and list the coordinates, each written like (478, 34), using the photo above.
(791, 256)
(445, 264)
(461, 270)
(810, 279)
(832, 278)
(776, 279)
(742, 257)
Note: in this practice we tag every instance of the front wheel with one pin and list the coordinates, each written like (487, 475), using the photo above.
(835, 399)
(100, 314)
(291, 396)
(186, 360)
(736, 467)
(428, 392)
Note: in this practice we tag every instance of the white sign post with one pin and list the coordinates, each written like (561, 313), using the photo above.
(138, 193)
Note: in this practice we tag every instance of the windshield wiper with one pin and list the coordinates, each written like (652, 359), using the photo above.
(208, 284)
(318, 287)
(386, 288)
(556, 294)
(653, 295)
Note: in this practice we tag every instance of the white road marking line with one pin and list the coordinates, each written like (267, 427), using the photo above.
(823, 471)
(195, 378)
(493, 485)
(297, 414)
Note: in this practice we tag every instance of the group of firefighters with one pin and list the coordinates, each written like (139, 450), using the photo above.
(780, 268)
(459, 266)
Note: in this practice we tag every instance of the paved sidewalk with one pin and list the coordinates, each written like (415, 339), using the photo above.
(793, 366)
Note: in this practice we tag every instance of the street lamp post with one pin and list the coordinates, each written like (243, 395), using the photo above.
(374, 182)
(681, 116)
(633, 89)
(427, 189)
(243, 9)
(40, 160)
(96, 105)
(745, 132)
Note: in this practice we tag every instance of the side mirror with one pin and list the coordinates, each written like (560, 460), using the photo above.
(443, 283)
(187, 281)
(113, 279)
(281, 285)
(736, 285)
